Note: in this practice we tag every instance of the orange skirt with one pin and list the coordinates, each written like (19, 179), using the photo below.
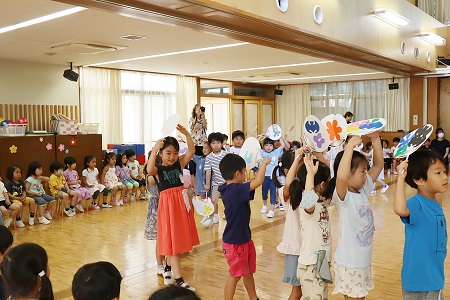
(177, 232)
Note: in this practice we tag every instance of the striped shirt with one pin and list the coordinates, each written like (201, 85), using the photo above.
(212, 164)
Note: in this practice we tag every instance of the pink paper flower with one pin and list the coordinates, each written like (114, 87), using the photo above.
(49, 146)
(61, 147)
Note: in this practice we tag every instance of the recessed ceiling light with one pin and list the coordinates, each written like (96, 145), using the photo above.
(167, 54)
(42, 19)
(317, 77)
(264, 68)
(132, 37)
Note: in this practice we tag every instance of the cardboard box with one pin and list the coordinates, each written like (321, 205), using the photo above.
(64, 127)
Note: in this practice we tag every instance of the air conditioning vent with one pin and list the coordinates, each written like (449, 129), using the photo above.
(84, 48)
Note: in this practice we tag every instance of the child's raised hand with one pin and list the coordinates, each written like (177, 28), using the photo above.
(183, 130)
(266, 161)
(402, 169)
(309, 164)
(159, 144)
(354, 141)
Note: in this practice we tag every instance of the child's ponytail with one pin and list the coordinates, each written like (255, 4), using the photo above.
(46, 292)
(285, 164)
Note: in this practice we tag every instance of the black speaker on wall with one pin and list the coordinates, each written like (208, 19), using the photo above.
(393, 86)
(70, 74)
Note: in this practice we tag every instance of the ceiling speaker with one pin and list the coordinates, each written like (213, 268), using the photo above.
(278, 92)
(70, 75)
(393, 86)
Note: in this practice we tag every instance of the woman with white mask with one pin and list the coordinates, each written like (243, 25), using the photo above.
(441, 145)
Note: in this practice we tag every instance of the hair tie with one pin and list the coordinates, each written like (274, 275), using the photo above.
(280, 164)
(297, 179)
(41, 273)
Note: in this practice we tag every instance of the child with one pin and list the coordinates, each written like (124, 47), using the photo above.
(5, 205)
(176, 225)
(100, 281)
(74, 182)
(213, 177)
(395, 161)
(295, 145)
(312, 195)
(268, 185)
(291, 242)
(123, 173)
(425, 224)
(111, 180)
(380, 178)
(353, 254)
(25, 273)
(16, 193)
(426, 145)
(89, 178)
(135, 172)
(173, 293)
(59, 188)
(387, 155)
(238, 138)
(237, 242)
(34, 189)
(200, 173)
(6, 240)
(226, 145)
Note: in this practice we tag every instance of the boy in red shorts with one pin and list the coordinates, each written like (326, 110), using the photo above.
(237, 243)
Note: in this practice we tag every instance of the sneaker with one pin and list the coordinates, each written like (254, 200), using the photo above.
(270, 214)
(106, 205)
(187, 286)
(143, 197)
(43, 220)
(208, 222)
(132, 199)
(276, 205)
(95, 206)
(264, 209)
(31, 220)
(395, 172)
(47, 215)
(373, 192)
(68, 212)
(215, 219)
(117, 203)
(281, 206)
(168, 278)
(121, 202)
(160, 270)
(204, 219)
(79, 207)
(389, 172)
(20, 224)
(7, 222)
(384, 189)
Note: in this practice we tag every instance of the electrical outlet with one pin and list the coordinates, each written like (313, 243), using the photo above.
(415, 119)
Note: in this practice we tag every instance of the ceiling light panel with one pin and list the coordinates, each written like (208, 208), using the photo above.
(391, 17)
(433, 38)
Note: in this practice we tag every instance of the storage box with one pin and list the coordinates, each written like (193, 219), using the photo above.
(13, 130)
(64, 127)
(90, 128)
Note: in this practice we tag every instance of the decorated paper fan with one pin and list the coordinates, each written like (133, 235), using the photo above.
(251, 152)
(365, 126)
(336, 127)
(170, 125)
(315, 134)
(203, 207)
(274, 132)
(412, 141)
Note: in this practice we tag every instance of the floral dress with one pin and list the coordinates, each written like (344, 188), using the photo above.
(198, 131)
(151, 229)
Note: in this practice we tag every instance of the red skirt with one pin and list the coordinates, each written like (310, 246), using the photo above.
(177, 232)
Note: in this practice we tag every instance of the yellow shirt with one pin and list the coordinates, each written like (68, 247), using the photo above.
(56, 181)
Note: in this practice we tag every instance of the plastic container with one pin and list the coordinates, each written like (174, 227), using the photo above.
(90, 128)
(13, 130)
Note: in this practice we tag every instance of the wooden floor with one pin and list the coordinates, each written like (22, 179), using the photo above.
(117, 235)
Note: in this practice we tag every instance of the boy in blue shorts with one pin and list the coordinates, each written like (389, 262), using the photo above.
(237, 244)
(425, 225)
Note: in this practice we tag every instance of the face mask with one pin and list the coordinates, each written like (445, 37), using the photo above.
(440, 135)
(60, 172)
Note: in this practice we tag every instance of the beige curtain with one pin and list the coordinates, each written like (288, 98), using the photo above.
(397, 106)
(101, 102)
(186, 98)
(443, 11)
(292, 109)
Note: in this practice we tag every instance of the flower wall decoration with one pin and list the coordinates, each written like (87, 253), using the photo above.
(49, 146)
(13, 149)
(73, 142)
(61, 147)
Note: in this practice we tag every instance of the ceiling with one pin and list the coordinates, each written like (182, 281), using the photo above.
(167, 48)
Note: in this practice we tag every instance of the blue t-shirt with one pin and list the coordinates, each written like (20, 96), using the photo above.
(274, 156)
(236, 199)
(425, 245)
(200, 175)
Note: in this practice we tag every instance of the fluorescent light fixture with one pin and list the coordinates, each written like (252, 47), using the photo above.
(433, 38)
(391, 17)
(317, 77)
(167, 54)
(264, 68)
(42, 19)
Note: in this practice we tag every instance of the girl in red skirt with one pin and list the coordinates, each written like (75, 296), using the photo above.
(177, 232)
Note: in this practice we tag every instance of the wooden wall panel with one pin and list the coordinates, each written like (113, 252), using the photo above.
(433, 101)
(416, 101)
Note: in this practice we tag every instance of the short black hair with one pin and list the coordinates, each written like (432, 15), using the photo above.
(6, 239)
(56, 165)
(296, 144)
(215, 136)
(174, 293)
(129, 153)
(10, 171)
(348, 114)
(439, 129)
(230, 164)
(225, 137)
(69, 160)
(96, 281)
(386, 141)
(418, 164)
(237, 133)
(268, 141)
(396, 139)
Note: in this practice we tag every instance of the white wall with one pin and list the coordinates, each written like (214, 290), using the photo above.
(34, 83)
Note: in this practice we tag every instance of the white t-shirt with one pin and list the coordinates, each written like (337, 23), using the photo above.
(292, 240)
(91, 176)
(2, 191)
(235, 150)
(356, 228)
(134, 168)
(316, 234)
(386, 152)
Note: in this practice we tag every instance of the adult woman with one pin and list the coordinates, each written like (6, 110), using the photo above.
(441, 145)
(198, 126)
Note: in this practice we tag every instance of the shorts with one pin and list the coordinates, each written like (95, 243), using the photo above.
(141, 182)
(130, 183)
(215, 194)
(313, 288)
(3, 203)
(241, 258)
(354, 283)
(43, 200)
(432, 295)
(26, 202)
(290, 270)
